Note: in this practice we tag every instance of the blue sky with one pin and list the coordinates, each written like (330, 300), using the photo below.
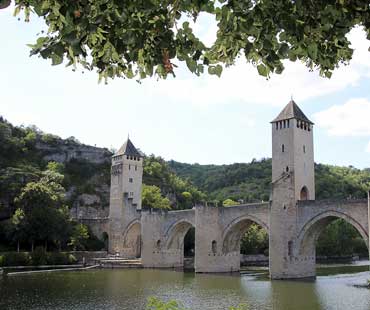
(189, 119)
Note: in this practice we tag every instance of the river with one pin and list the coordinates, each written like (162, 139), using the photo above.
(129, 289)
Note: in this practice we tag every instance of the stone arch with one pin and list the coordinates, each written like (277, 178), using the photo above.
(233, 232)
(309, 234)
(304, 194)
(175, 234)
(132, 240)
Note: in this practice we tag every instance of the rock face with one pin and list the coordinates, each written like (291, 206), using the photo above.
(90, 206)
(88, 200)
(66, 150)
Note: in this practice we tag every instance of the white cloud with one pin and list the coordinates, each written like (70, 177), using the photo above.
(349, 119)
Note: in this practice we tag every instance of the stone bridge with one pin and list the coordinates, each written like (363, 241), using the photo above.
(218, 231)
(158, 236)
(293, 218)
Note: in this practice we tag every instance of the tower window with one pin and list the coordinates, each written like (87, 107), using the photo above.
(277, 126)
(282, 148)
(305, 126)
(129, 167)
(214, 246)
(304, 193)
(290, 248)
(135, 167)
(130, 180)
(284, 124)
(287, 169)
(304, 149)
(287, 123)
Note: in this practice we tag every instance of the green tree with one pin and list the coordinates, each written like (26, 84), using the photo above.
(41, 209)
(255, 241)
(19, 228)
(135, 39)
(340, 238)
(182, 193)
(152, 198)
(229, 202)
(79, 235)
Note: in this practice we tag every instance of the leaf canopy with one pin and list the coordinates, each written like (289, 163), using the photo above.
(141, 38)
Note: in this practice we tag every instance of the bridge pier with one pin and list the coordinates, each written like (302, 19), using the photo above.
(163, 237)
(209, 255)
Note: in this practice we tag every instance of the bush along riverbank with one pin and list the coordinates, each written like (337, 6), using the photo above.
(36, 258)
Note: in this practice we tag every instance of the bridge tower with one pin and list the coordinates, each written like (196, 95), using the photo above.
(292, 150)
(292, 180)
(125, 193)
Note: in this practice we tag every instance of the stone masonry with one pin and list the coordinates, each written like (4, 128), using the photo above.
(293, 218)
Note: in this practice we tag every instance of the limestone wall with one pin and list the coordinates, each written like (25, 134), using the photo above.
(63, 151)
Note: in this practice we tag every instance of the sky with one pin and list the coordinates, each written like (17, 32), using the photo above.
(205, 120)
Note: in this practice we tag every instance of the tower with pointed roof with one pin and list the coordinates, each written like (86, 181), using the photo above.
(292, 180)
(292, 150)
(125, 192)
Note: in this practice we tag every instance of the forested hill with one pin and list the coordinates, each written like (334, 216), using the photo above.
(251, 181)
(26, 151)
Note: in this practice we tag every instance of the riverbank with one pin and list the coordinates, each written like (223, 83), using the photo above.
(40, 258)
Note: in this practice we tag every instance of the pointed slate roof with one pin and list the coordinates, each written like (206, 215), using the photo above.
(291, 110)
(129, 149)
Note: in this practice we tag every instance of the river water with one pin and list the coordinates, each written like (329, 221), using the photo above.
(129, 289)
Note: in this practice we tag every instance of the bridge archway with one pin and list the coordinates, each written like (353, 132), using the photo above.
(176, 233)
(132, 240)
(175, 239)
(311, 231)
(235, 231)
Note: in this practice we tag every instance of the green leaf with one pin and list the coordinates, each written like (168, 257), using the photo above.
(262, 70)
(218, 70)
(312, 51)
(56, 59)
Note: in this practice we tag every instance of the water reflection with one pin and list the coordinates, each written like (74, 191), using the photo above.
(293, 295)
(129, 289)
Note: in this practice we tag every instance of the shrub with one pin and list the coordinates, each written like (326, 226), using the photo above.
(36, 258)
(57, 259)
(39, 257)
(72, 259)
(15, 259)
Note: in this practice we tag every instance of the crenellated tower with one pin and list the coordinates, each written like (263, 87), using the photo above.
(125, 192)
(292, 150)
(292, 180)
